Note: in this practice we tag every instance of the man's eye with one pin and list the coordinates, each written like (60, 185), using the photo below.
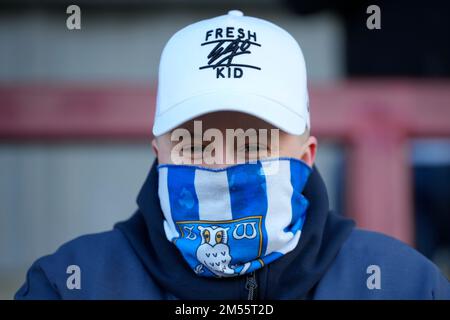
(194, 148)
(252, 148)
(194, 151)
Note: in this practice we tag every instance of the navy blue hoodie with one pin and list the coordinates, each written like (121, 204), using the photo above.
(333, 260)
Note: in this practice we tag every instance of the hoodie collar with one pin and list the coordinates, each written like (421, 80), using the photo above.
(293, 276)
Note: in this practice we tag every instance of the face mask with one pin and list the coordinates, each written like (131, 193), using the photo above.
(231, 221)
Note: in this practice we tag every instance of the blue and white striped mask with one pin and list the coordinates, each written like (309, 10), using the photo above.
(231, 221)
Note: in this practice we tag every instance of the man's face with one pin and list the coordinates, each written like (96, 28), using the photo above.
(250, 139)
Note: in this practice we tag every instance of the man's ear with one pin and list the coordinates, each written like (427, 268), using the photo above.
(310, 150)
(155, 147)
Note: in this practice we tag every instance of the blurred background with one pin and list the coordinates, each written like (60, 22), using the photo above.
(76, 114)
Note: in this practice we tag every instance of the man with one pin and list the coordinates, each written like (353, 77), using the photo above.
(234, 207)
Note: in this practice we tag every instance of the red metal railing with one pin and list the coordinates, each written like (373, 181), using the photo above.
(374, 119)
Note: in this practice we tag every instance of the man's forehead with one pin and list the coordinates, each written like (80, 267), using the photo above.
(227, 120)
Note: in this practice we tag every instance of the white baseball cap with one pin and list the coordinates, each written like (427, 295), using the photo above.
(232, 63)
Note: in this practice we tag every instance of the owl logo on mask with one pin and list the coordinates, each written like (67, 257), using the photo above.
(214, 252)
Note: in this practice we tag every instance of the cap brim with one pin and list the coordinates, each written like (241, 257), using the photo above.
(258, 106)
